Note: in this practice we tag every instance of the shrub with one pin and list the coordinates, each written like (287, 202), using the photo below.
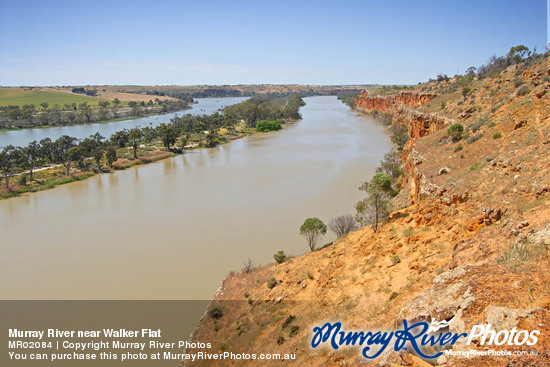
(458, 148)
(288, 321)
(399, 135)
(474, 138)
(523, 91)
(455, 131)
(385, 118)
(247, 266)
(474, 166)
(22, 179)
(395, 259)
(391, 164)
(342, 225)
(279, 257)
(518, 81)
(271, 283)
(466, 91)
(215, 312)
(476, 126)
(497, 135)
(521, 254)
(266, 125)
(294, 330)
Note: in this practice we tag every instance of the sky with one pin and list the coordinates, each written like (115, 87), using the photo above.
(255, 42)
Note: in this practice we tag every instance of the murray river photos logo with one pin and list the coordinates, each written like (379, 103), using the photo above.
(418, 336)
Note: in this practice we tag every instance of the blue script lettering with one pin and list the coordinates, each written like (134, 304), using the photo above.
(416, 335)
(339, 338)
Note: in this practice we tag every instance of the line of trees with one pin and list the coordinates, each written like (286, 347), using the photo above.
(175, 136)
(65, 150)
(266, 107)
(30, 115)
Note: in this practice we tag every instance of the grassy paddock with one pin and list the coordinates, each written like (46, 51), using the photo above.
(20, 97)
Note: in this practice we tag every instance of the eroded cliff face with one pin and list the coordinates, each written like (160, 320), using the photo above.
(366, 102)
(403, 106)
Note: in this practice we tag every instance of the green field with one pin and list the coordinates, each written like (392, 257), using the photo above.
(20, 97)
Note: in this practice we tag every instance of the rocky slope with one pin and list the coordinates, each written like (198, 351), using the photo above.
(469, 239)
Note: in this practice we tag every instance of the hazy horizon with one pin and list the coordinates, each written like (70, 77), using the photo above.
(60, 42)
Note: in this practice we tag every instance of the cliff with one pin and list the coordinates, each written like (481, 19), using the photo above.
(366, 102)
(470, 242)
(403, 107)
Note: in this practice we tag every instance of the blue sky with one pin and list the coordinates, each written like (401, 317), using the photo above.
(252, 42)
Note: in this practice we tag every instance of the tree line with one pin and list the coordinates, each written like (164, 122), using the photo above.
(30, 115)
(175, 136)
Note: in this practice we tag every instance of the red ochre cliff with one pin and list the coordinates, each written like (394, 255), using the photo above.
(367, 102)
(404, 106)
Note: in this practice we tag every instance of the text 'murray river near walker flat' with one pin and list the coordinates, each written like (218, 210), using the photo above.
(173, 229)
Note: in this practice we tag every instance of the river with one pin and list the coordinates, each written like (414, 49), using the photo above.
(204, 106)
(175, 228)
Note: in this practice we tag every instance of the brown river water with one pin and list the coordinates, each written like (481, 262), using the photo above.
(175, 228)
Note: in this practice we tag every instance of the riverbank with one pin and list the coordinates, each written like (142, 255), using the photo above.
(46, 177)
(124, 118)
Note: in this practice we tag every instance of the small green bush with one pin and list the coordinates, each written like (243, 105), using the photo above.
(523, 91)
(271, 283)
(22, 179)
(215, 312)
(497, 135)
(279, 257)
(455, 131)
(267, 125)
